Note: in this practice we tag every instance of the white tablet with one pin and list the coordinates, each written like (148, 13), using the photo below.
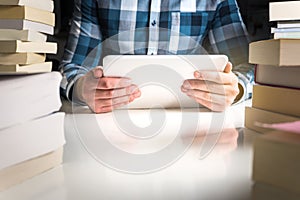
(160, 77)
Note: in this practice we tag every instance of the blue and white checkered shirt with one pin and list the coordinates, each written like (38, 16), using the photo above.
(102, 27)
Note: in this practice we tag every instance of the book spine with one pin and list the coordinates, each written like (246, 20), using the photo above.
(275, 99)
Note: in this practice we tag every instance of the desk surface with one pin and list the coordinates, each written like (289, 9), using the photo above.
(198, 173)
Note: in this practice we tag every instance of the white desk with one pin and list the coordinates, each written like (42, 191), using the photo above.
(224, 174)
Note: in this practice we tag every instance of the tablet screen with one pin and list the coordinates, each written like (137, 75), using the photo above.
(160, 77)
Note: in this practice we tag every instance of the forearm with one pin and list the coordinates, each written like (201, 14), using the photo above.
(233, 44)
(83, 49)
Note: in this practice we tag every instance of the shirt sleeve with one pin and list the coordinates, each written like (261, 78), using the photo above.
(228, 35)
(83, 50)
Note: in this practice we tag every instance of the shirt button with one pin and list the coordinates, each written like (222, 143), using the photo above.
(153, 23)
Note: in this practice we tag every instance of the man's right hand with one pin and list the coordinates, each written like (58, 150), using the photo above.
(103, 94)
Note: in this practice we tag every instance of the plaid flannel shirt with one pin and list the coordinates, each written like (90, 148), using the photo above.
(102, 27)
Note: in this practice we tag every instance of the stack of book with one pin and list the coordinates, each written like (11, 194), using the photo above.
(287, 16)
(31, 128)
(276, 96)
(276, 99)
(23, 25)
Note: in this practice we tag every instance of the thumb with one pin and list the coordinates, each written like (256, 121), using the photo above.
(97, 72)
(228, 67)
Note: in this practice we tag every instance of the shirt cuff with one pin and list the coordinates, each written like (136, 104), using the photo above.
(68, 87)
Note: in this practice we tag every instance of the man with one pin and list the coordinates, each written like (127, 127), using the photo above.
(151, 27)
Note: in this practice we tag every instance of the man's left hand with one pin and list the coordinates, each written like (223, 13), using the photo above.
(214, 90)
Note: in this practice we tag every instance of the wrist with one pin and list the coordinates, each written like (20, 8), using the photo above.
(77, 95)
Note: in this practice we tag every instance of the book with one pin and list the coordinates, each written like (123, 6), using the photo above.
(288, 24)
(283, 11)
(276, 160)
(28, 13)
(20, 172)
(293, 127)
(17, 46)
(28, 97)
(25, 69)
(20, 24)
(47, 5)
(278, 52)
(287, 76)
(262, 191)
(253, 115)
(21, 58)
(287, 35)
(284, 30)
(277, 99)
(31, 139)
(23, 35)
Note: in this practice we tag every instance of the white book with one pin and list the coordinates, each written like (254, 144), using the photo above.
(17, 46)
(283, 11)
(28, 97)
(46, 5)
(287, 35)
(284, 30)
(23, 35)
(25, 69)
(21, 58)
(288, 24)
(28, 13)
(25, 170)
(20, 24)
(31, 139)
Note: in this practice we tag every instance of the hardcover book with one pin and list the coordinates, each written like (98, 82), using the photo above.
(278, 76)
(278, 52)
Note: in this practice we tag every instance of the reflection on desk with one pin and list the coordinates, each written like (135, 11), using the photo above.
(223, 171)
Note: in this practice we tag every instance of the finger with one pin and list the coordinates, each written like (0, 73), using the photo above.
(205, 86)
(113, 82)
(214, 98)
(217, 77)
(228, 67)
(114, 101)
(97, 72)
(113, 93)
(136, 94)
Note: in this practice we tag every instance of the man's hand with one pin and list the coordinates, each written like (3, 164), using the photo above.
(103, 94)
(214, 90)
